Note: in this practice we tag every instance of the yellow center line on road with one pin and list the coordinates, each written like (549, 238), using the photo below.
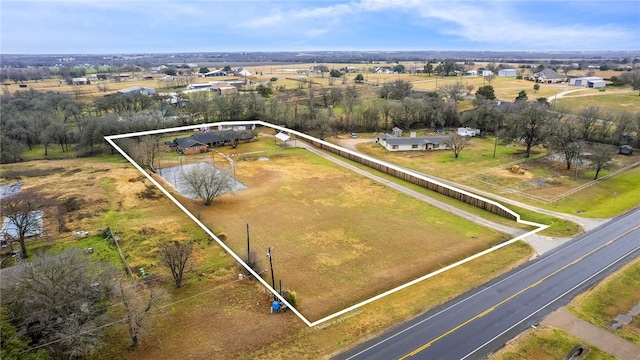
(489, 310)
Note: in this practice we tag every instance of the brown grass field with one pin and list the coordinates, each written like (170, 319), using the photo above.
(336, 238)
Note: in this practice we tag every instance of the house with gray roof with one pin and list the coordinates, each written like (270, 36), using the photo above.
(548, 76)
(414, 143)
(189, 146)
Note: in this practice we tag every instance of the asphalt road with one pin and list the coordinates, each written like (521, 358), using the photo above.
(478, 323)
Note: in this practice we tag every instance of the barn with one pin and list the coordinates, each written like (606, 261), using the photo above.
(589, 81)
(507, 73)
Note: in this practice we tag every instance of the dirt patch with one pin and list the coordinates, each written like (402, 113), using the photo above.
(19, 174)
(231, 319)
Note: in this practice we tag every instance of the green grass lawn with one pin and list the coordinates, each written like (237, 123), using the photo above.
(54, 152)
(615, 295)
(596, 201)
(607, 198)
(611, 101)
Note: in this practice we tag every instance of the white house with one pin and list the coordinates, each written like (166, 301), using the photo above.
(589, 81)
(394, 143)
(485, 72)
(507, 72)
(80, 81)
(467, 131)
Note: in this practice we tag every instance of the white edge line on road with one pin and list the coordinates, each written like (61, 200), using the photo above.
(552, 301)
(110, 139)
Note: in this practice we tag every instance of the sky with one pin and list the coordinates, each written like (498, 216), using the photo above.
(172, 26)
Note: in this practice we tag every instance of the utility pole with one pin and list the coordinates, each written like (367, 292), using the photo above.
(248, 247)
(575, 175)
(273, 281)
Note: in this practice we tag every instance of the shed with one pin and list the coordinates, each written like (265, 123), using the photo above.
(283, 138)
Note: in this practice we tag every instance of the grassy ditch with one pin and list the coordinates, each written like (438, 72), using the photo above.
(546, 344)
(616, 295)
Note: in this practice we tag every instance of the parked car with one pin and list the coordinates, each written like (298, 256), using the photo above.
(354, 135)
(625, 149)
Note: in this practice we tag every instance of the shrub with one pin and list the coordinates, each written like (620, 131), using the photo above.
(291, 297)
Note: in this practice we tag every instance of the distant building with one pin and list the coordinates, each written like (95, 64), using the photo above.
(589, 81)
(507, 72)
(467, 131)
(215, 73)
(242, 72)
(225, 90)
(80, 81)
(485, 72)
(394, 143)
(137, 90)
(548, 76)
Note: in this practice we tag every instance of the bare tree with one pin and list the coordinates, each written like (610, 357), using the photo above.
(176, 255)
(60, 301)
(601, 157)
(138, 300)
(206, 182)
(452, 91)
(588, 118)
(457, 143)
(102, 87)
(25, 217)
(146, 151)
(563, 138)
(489, 78)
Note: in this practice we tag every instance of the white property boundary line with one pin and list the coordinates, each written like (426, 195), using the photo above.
(110, 140)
